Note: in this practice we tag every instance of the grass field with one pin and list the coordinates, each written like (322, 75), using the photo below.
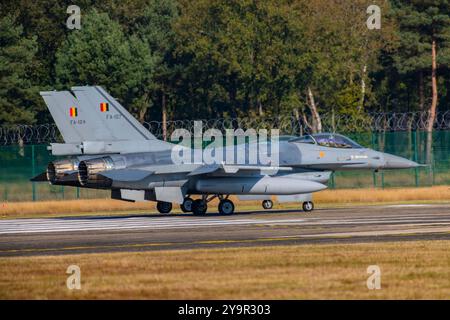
(409, 270)
(322, 199)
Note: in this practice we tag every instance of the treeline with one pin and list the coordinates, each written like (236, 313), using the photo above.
(168, 59)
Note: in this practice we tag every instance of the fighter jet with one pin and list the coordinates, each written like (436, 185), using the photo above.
(105, 147)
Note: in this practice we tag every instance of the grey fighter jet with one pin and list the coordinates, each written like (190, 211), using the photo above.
(107, 148)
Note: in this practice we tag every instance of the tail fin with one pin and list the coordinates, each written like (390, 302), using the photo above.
(107, 113)
(92, 116)
(66, 112)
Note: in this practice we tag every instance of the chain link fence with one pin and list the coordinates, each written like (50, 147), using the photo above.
(24, 154)
(374, 122)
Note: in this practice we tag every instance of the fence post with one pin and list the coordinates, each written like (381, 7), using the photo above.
(33, 172)
(374, 174)
(415, 158)
(78, 192)
(333, 185)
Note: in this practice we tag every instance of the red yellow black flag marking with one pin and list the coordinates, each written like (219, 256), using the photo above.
(73, 112)
(104, 107)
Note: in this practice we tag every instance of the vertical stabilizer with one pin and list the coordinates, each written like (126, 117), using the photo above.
(107, 113)
(67, 114)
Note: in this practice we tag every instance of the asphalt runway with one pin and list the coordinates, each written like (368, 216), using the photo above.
(52, 236)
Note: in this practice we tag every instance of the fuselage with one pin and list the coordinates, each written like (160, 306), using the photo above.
(298, 165)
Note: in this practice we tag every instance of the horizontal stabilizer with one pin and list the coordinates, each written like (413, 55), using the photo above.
(40, 177)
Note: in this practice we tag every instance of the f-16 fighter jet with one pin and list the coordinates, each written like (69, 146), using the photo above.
(105, 147)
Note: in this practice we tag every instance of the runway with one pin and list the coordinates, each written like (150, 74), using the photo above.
(49, 236)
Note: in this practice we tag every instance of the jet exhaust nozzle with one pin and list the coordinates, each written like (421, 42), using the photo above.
(88, 172)
(57, 170)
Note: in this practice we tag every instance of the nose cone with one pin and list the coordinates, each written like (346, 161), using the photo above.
(394, 162)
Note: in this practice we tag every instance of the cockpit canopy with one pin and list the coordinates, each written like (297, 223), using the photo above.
(330, 140)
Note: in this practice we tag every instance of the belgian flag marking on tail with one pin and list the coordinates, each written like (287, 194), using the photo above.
(104, 107)
(73, 112)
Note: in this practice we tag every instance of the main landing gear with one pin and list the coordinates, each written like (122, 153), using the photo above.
(200, 206)
(186, 206)
(164, 207)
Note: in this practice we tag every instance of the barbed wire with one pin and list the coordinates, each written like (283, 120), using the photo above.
(289, 125)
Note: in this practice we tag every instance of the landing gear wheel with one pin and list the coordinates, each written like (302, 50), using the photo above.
(187, 205)
(308, 206)
(226, 207)
(199, 207)
(267, 204)
(164, 207)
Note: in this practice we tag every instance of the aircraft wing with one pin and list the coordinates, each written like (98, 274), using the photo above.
(224, 169)
(140, 173)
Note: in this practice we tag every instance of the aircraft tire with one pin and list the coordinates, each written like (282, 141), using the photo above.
(226, 207)
(164, 207)
(186, 206)
(267, 204)
(308, 206)
(199, 207)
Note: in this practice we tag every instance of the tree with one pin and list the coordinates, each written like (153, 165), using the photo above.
(424, 44)
(155, 28)
(242, 54)
(101, 54)
(342, 53)
(16, 89)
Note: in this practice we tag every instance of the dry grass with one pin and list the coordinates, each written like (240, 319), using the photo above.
(440, 193)
(410, 270)
(17, 209)
(327, 197)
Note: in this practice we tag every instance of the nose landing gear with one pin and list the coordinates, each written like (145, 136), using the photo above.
(308, 206)
(267, 204)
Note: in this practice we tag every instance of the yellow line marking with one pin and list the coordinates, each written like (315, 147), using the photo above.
(143, 245)
(162, 244)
